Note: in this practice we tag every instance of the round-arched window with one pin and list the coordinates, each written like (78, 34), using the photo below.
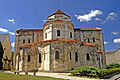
(57, 54)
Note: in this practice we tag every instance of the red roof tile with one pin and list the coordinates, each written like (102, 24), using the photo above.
(34, 30)
(59, 12)
(99, 51)
(63, 40)
(88, 29)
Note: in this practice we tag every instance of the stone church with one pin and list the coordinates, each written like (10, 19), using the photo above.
(58, 47)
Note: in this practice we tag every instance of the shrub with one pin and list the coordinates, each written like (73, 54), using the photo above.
(114, 65)
(86, 71)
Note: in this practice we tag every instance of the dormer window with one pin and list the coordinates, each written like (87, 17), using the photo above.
(58, 32)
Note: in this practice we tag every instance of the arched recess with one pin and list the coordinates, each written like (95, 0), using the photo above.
(87, 56)
(57, 54)
(76, 57)
(58, 32)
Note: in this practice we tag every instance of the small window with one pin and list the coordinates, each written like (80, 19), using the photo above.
(93, 39)
(88, 40)
(70, 55)
(87, 56)
(23, 41)
(28, 40)
(28, 58)
(76, 57)
(58, 32)
(57, 55)
(45, 35)
(39, 57)
(70, 34)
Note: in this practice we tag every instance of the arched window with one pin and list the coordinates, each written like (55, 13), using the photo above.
(58, 32)
(28, 58)
(88, 40)
(76, 57)
(93, 39)
(57, 54)
(23, 41)
(39, 57)
(45, 35)
(70, 34)
(70, 55)
(28, 40)
(87, 56)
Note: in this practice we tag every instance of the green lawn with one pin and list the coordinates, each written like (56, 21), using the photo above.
(7, 76)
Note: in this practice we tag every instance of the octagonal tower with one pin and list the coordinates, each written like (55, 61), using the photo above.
(58, 26)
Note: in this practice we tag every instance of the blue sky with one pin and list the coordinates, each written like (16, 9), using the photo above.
(28, 14)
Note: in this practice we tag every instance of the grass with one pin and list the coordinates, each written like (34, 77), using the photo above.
(8, 76)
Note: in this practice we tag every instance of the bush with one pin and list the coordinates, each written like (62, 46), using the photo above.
(114, 65)
(86, 71)
(93, 72)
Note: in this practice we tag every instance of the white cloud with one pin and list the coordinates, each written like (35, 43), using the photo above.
(117, 40)
(44, 20)
(11, 20)
(89, 16)
(106, 42)
(98, 19)
(115, 33)
(111, 16)
(12, 33)
(3, 30)
(13, 44)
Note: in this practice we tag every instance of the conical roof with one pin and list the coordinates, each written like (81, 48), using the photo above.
(59, 12)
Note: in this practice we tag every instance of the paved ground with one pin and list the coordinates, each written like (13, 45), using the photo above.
(65, 76)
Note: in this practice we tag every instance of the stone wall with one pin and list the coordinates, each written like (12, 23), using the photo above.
(113, 57)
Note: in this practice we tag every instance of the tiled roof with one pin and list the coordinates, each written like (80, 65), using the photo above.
(88, 29)
(63, 40)
(25, 30)
(99, 51)
(59, 12)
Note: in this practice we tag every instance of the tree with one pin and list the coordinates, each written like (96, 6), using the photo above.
(1, 56)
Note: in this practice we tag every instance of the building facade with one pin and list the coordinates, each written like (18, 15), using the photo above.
(58, 47)
(5, 41)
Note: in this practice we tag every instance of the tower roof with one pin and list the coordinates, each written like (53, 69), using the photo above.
(59, 12)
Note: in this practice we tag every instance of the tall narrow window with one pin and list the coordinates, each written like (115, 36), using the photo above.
(23, 41)
(28, 40)
(93, 39)
(28, 58)
(57, 55)
(88, 40)
(70, 55)
(45, 35)
(76, 57)
(87, 56)
(58, 32)
(39, 57)
(70, 34)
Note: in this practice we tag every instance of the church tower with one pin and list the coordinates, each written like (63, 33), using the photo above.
(58, 26)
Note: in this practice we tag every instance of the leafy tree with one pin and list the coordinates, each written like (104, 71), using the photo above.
(1, 56)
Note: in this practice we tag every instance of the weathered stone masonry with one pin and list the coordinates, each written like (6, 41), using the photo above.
(58, 47)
